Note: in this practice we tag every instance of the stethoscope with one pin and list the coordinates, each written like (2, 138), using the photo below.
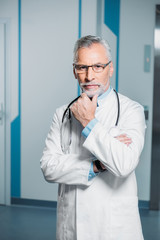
(67, 115)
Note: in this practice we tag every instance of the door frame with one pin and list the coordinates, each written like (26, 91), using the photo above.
(7, 116)
(155, 165)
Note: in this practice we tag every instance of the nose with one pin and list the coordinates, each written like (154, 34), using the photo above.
(90, 74)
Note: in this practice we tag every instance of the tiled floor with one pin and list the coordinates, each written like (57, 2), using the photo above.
(27, 223)
(150, 224)
(33, 223)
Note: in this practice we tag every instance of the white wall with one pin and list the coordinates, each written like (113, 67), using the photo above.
(49, 30)
(89, 17)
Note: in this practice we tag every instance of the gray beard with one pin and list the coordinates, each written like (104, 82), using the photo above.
(90, 93)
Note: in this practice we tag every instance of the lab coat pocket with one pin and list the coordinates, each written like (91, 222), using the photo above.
(125, 221)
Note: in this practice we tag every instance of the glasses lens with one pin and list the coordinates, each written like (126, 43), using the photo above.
(81, 68)
(66, 133)
(98, 68)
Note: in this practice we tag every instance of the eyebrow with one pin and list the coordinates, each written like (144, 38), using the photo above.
(91, 64)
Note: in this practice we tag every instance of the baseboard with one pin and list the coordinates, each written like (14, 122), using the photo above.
(53, 204)
(143, 204)
(33, 202)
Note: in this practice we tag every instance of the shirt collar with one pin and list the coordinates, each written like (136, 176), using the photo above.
(104, 95)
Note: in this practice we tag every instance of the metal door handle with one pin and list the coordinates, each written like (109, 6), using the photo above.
(1, 114)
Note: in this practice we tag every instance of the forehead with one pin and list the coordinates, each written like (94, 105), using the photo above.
(96, 53)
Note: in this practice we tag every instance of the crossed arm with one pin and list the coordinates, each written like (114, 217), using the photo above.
(122, 138)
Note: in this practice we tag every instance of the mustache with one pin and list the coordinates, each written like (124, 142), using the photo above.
(93, 83)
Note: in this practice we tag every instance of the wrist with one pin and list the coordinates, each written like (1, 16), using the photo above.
(87, 121)
(98, 166)
(95, 170)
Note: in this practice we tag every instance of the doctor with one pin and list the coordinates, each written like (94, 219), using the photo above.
(93, 160)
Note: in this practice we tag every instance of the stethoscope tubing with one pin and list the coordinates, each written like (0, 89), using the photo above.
(118, 107)
(68, 108)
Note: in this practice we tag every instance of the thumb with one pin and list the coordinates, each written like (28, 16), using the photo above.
(94, 99)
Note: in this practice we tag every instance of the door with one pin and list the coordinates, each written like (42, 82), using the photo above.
(2, 110)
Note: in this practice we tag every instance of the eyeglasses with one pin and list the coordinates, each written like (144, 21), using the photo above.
(97, 68)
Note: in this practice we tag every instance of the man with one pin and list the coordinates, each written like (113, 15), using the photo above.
(92, 159)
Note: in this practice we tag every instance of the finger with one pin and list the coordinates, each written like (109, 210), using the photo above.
(122, 136)
(72, 108)
(84, 95)
(128, 143)
(103, 167)
(125, 140)
(94, 99)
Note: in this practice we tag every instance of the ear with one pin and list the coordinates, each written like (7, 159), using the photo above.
(111, 70)
(74, 72)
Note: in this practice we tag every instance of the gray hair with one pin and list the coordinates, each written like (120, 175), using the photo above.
(86, 42)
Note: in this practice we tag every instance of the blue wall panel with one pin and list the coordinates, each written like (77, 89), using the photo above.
(15, 157)
(16, 130)
(112, 21)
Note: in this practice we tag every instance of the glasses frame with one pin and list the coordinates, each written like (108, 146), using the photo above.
(92, 66)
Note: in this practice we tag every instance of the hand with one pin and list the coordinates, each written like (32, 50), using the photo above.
(95, 168)
(84, 109)
(124, 139)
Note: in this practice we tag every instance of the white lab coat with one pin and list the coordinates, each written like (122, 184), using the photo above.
(106, 207)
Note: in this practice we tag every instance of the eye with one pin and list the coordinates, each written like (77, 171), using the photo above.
(81, 67)
(98, 67)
